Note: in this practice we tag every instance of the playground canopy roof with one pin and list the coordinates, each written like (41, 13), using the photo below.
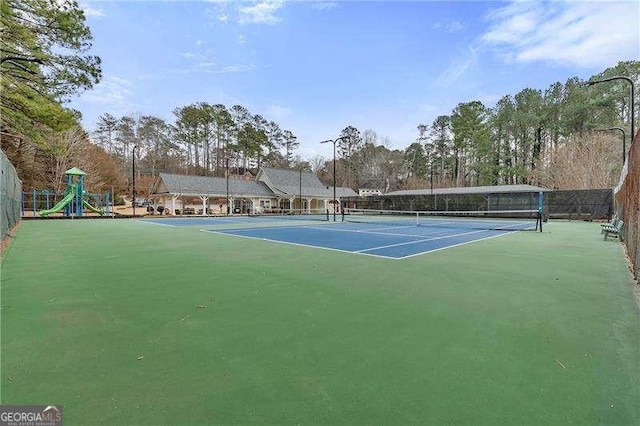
(496, 189)
(75, 172)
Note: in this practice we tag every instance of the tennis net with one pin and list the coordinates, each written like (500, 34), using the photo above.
(293, 214)
(503, 220)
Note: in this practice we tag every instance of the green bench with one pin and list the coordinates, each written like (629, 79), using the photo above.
(614, 228)
(610, 225)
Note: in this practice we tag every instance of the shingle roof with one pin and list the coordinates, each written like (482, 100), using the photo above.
(287, 182)
(213, 186)
(470, 190)
(343, 192)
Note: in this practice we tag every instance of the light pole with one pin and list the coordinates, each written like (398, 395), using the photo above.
(227, 169)
(624, 140)
(133, 180)
(633, 111)
(334, 170)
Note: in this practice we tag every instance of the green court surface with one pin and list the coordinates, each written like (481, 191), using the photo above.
(127, 323)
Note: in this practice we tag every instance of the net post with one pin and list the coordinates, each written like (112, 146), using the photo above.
(540, 210)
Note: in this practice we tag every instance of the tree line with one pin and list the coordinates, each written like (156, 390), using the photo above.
(44, 59)
(520, 139)
(524, 138)
(547, 137)
(203, 139)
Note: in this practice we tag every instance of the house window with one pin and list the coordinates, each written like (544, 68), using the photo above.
(265, 204)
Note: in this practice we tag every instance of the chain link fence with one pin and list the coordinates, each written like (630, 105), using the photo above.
(10, 193)
(627, 203)
(579, 204)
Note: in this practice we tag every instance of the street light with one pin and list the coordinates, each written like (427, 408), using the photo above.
(227, 169)
(624, 140)
(621, 77)
(334, 170)
(133, 181)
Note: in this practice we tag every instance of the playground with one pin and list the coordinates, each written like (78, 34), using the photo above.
(73, 202)
(128, 322)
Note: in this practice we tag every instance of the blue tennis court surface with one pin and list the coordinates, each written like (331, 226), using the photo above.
(395, 242)
(230, 220)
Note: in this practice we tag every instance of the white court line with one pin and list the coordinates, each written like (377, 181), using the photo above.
(360, 252)
(154, 223)
(391, 227)
(295, 244)
(392, 234)
(420, 241)
(455, 245)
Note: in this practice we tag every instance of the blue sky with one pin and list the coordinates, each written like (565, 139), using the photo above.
(316, 67)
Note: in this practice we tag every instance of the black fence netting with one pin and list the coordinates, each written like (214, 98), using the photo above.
(627, 203)
(10, 194)
(447, 202)
(587, 204)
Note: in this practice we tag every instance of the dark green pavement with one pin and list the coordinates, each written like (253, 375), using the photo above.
(528, 328)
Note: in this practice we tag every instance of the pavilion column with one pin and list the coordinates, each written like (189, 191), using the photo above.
(256, 205)
(231, 204)
(173, 204)
(291, 203)
(326, 204)
(204, 204)
(309, 204)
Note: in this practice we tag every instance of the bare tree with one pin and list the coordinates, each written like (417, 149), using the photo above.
(317, 163)
(592, 160)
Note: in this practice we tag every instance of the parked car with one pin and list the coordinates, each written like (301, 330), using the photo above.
(140, 202)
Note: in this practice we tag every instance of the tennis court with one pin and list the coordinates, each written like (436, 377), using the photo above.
(390, 236)
(126, 322)
(396, 242)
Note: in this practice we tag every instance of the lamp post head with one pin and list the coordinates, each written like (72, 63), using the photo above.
(611, 128)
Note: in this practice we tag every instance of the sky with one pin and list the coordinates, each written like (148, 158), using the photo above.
(316, 67)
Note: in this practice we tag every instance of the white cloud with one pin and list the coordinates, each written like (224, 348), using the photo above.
(202, 56)
(449, 26)
(236, 68)
(583, 34)
(465, 60)
(206, 65)
(88, 10)
(263, 12)
(242, 39)
(213, 68)
(218, 11)
(112, 91)
(83, 5)
(324, 5)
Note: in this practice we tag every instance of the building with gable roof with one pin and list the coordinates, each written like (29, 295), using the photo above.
(272, 189)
